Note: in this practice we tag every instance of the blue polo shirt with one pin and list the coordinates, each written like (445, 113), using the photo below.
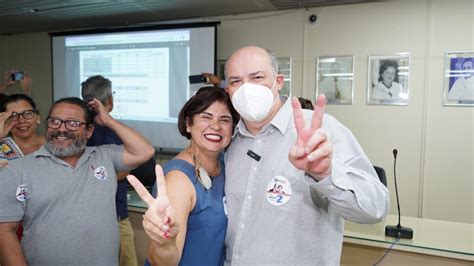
(104, 135)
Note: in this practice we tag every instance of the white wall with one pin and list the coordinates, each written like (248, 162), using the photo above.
(31, 53)
(435, 143)
(435, 167)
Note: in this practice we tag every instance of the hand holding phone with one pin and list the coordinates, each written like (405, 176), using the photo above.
(193, 79)
(17, 75)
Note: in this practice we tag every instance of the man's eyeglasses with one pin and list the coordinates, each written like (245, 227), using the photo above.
(71, 125)
(27, 114)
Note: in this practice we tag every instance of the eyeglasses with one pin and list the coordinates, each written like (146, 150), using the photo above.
(27, 114)
(71, 125)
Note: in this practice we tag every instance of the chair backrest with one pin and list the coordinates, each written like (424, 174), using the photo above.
(381, 173)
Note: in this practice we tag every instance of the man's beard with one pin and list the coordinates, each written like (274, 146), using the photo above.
(76, 147)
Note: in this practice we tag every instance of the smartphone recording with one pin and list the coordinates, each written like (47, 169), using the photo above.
(194, 79)
(17, 76)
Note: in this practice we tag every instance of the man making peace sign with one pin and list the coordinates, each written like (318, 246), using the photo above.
(321, 170)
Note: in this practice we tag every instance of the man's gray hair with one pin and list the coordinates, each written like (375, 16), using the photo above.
(96, 87)
(273, 61)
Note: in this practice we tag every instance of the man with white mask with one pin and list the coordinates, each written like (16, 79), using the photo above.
(322, 171)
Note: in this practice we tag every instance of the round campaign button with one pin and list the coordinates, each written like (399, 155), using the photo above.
(278, 191)
(22, 192)
(100, 173)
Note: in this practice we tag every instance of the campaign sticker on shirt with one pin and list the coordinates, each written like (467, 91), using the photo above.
(22, 192)
(100, 173)
(224, 202)
(278, 191)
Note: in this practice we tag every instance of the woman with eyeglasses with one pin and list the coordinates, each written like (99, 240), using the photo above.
(187, 222)
(18, 123)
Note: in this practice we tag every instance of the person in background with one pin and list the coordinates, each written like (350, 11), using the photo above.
(65, 192)
(25, 82)
(187, 221)
(101, 88)
(19, 119)
(317, 161)
(387, 87)
(306, 103)
(463, 87)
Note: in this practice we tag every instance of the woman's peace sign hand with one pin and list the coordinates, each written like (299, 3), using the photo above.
(159, 220)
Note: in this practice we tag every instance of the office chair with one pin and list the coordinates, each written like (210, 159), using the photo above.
(381, 173)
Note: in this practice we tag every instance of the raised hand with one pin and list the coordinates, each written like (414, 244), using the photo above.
(212, 79)
(103, 117)
(26, 84)
(7, 81)
(159, 220)
(5, 124)
(312, 151)
(7, 76)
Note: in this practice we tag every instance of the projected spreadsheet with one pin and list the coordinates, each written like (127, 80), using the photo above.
(140, 82)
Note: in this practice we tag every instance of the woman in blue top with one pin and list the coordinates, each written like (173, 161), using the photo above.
(187, 221)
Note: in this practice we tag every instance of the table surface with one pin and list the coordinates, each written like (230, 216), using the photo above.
(431, 235)
(434, 235)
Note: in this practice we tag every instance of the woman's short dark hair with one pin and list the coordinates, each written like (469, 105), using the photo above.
(89, 113)
(16, 98)
(197, 104)
(384, 64)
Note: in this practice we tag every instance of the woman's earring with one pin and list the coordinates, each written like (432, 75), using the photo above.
(188, 130)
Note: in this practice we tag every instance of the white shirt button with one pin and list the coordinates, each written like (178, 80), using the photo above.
(242, 226)
(249, 197)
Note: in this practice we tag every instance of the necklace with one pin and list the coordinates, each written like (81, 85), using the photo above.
(201, 174)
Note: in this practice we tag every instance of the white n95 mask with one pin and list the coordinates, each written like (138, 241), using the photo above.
(253, 101)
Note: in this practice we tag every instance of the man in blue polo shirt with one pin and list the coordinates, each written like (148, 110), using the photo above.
(101, 88)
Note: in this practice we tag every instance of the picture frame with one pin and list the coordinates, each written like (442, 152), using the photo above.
(335, 78)
(388, 77)
(284, 68)
(459, 79)
(221, 68)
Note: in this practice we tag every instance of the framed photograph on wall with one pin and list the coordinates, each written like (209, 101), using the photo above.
(284, 67)
(335, 78)
(459, 79)
(388, 79)
(221, 68)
